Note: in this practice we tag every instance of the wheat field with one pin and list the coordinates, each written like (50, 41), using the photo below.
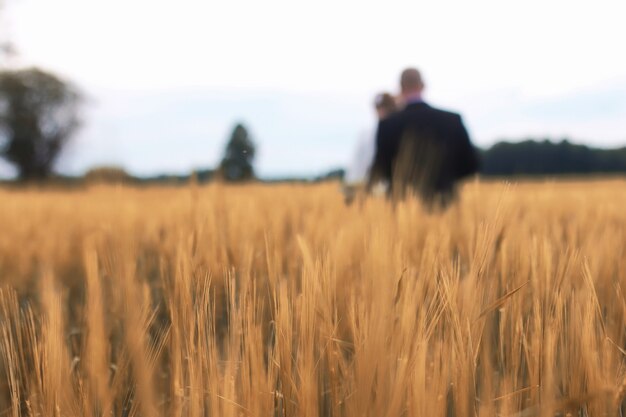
(280, 301)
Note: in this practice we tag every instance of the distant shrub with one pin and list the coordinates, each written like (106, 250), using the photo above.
(108, 174)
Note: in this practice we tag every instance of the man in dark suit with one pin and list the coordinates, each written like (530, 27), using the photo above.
(421, 149)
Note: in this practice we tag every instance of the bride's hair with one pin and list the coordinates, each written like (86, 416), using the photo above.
(386, 102)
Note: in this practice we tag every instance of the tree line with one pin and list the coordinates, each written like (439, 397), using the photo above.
(546, 157)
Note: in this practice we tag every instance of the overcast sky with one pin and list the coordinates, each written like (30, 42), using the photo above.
(167, 80)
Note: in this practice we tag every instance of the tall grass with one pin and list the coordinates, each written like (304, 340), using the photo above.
(280, 301)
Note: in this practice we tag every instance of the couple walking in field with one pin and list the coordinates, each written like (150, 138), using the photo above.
(416, 149)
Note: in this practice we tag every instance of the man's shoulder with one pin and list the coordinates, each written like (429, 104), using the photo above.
(393, 118)
(444, 113)
(391, 121)
(419, 114)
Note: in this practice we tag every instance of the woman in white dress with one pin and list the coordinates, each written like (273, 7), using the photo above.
(358, 170)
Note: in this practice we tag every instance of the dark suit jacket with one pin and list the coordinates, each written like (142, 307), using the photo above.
(425, 148)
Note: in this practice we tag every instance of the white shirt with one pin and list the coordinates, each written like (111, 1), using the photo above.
(363, 158)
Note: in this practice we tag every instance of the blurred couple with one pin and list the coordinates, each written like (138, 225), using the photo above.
(415, 149)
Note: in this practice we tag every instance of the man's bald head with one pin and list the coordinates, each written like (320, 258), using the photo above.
(411, 81)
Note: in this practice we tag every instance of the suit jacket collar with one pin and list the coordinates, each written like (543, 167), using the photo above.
(416, 105)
